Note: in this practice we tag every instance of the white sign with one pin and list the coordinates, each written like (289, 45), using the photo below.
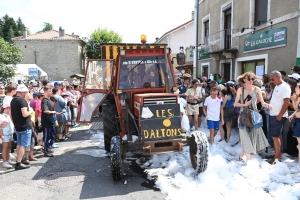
(259, 70)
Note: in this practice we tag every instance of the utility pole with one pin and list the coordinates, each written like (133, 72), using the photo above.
(196, 16)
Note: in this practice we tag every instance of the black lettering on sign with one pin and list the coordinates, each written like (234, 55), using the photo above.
(164, 124)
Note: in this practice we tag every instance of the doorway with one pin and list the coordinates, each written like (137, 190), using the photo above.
(205, 70)
(226, 71)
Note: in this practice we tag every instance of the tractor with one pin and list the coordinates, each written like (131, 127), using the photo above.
(135, 84)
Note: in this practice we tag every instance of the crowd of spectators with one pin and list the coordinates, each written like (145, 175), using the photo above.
(36, 113)
(274, 96)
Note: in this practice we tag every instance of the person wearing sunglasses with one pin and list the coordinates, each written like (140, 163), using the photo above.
(253, 141)
(295, 70)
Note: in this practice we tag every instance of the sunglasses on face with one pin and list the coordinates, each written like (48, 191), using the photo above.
(2, 88)
(250, 79)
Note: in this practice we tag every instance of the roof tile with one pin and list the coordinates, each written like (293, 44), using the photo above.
(48, 35)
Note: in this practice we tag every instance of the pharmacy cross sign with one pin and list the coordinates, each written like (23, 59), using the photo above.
(268, 39)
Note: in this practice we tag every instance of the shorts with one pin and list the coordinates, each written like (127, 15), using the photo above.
(31, 146)
(192, 109)
(297, 128)
(60, 128)
(213, 124)
(23, 137)
(276, 126)
(8, 138)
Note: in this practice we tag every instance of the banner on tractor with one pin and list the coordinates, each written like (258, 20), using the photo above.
(160, 122)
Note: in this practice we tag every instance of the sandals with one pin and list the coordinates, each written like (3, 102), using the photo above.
(33, 159)
(241, 159)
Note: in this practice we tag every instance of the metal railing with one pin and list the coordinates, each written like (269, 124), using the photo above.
(222, 40)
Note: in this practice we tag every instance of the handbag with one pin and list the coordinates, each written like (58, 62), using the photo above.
(246, 118)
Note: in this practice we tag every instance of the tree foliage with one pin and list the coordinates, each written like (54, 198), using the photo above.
(47, 26)
(10, 55)
(100, 35)
(10, 28)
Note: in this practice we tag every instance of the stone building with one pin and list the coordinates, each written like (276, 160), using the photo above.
(251, 35)
(58, 54)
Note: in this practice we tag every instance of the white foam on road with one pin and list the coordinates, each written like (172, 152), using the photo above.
(225, 177)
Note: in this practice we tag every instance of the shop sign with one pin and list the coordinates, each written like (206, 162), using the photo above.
(268, 39)
(160, 122)
(203, 53)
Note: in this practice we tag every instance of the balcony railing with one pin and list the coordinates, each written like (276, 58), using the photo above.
(222, 40)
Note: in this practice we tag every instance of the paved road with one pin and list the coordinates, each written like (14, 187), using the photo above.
(73, 175)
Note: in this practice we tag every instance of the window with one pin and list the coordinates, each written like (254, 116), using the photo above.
(261, 12)
(227, 28)
(206, 31)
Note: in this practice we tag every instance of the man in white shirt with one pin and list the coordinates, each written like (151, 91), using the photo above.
(280, 101)
(212, 107)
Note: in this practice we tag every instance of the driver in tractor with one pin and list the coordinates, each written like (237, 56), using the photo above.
(142, 77)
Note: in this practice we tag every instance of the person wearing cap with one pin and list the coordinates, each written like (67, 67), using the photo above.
(295, 76)
(48, 121)
(21, 117)
(59, 107)
(34, 88)
(194, 97)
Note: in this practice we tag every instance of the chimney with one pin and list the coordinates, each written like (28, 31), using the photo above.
(193, 14)
(61, 32)
(25, 33)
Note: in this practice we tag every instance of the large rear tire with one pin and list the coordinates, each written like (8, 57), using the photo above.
(199, 151)
(116, 158)
(111, 125)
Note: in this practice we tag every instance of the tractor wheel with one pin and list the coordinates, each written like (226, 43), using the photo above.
(199, 151)
(111, 125)
(116, 158)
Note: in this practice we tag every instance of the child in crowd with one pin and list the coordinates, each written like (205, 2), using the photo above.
(212, 110)
(6, 134)
(68, 111)
(54, 101)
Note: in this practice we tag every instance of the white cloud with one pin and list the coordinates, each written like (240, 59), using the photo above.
(130, 18)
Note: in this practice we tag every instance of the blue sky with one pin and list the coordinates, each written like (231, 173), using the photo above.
(130, 18)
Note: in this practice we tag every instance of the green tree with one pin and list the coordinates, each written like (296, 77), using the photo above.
(47, 26)
(10, 28)
(20, 26)
(100, 35)
(10, 55)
